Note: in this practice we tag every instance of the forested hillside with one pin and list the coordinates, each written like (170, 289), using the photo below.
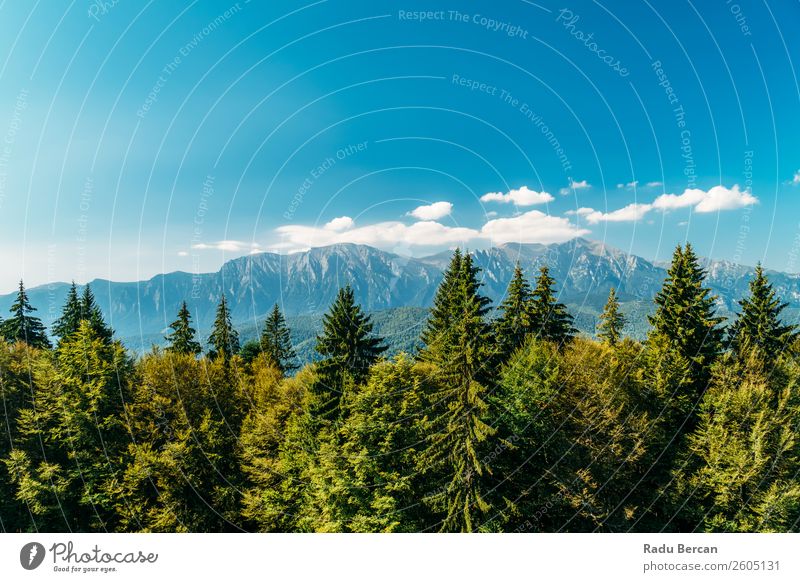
(491, 418)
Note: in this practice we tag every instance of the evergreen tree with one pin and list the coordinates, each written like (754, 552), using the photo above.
(91, 312)
(550, 319)
(276, 341)
(224, 339)
(759, 324)
(458, 445)
(23, 327)
(685, 315)
(71, 315)
(609, 328)
(442, 313)
(348, 347)
(182, 339)
(513, 325)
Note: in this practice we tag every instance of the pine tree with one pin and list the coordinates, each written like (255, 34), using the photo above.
(70, 319)
(91, 312)
(461, 352)
(182, 339)
(685, 315)
(550, 319)
(759, 324)
(348, 347)
(514, 325)
(224, 339)
(609, 328)
(276, 341)
(441, 315)
(22, 327)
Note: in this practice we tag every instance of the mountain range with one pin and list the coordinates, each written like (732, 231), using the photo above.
(395, 288)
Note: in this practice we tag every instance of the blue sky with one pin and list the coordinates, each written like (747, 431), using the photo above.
(141, 137)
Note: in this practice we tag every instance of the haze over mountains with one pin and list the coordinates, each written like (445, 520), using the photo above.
(304, 284)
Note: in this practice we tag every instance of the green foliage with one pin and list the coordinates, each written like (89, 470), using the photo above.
(91, 312)
(182, 338)
(23, 327)
(224, 339)
(759, 324)
(348, 349)
(550, 319)
(609, 329)
(71, 314)
(685, 315)
(514, 324)
(276, 342)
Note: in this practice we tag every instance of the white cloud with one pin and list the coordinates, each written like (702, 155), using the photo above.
(574, 185)
(716, 199)
(582, 211)
(521, 197)
(654, 184)
(382, 235)
(629, 213)
(796, 178)
(183, 254)
(229, 246)
(339, 224)
(433, 211)
(531, 227)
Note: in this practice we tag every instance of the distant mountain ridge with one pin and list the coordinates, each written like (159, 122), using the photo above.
(304, 284)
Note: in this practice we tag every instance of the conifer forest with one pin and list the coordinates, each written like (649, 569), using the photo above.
(506, 419)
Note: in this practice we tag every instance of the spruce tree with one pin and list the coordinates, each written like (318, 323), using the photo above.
(91, 312)
(609, 328)
(23, 327)
(513, 325)
(347, 346)
(276, 341)
(70, 319)
(550, 319)
(442, 314)
(457, 449)
(182, 338)
(759, 324)
(686, 317)
(224, 339)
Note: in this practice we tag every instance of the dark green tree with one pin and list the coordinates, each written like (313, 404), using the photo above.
(457, 448)
(685, 315)
(442, 312)
(609, 328)
(348, 349)
(276, 341)
(514, 325)
(182, 338)
(224, 339)
(23, 327)
(71, 315)
(550, 319)
(90, 311)
(759, 324)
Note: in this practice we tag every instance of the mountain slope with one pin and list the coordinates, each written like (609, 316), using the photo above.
(304, 284)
